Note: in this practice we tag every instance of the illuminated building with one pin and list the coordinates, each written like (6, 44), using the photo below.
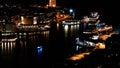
(52, 3)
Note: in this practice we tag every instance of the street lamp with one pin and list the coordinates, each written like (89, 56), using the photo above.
(72, 12)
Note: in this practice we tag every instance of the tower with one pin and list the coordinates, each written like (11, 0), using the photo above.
(52, 3)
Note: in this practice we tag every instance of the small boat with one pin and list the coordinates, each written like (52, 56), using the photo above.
(84, 43)
(105, 28)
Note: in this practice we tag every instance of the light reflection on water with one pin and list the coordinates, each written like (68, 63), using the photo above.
(45, 34)
(39, 50)
(23, 42)
(66, 30)
(7, 47)
(40, 38)
(71, 30)
(28, 43)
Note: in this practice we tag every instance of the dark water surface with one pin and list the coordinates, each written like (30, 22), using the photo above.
(48, 48)
(51, 48)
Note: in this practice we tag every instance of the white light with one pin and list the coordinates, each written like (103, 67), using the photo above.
(34, 20)
(22, 19)
(71, 10)
(66, 27)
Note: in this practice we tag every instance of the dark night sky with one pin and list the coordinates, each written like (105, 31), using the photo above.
(94, 4)
(111, 7)
(70, 3)
(67, 2)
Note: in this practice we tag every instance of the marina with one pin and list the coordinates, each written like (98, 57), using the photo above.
(59, 34)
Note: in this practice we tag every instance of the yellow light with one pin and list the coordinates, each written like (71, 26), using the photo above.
(34, 20)
(100, 46)
(22, 19)
(79, 56)
(47, 5)
(53, 5)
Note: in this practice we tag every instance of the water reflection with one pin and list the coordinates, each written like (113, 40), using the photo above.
(54, 45)
(57, 26)
(71, 30)
(45, 34)
(29, 42)
(39, 50)
(66, 30)
(7, 47)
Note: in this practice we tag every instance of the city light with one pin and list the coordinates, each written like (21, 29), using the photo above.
(34, 20)
(71, 10)
(52, 3)
(59, 33)
(22, 19)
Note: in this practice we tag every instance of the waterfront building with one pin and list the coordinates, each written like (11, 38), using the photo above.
(52, 3)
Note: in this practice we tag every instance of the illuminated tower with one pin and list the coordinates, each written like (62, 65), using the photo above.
(52, 3)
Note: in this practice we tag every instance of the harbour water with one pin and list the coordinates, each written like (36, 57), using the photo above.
(51, 48)
(43, 48)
